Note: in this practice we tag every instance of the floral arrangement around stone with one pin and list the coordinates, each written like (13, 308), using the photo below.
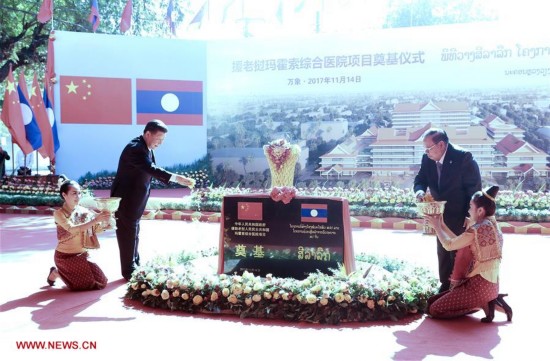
(382, 289)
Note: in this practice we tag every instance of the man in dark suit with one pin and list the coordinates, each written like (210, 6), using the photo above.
(4, 156)
(132, 184)
(456, 180)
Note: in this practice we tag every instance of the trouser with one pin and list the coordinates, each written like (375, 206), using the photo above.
(446, 261)
(127, 235)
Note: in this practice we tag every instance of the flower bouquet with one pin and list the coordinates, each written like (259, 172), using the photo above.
(430, 207)
(281, 157)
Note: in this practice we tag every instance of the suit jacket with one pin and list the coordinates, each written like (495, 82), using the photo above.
(460, 179)
(132, 183)
(4, 156)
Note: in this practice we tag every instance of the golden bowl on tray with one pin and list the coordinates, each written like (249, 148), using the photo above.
(111, 204)
(430, 208)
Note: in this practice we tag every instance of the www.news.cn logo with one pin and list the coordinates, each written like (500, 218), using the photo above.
(56, 345)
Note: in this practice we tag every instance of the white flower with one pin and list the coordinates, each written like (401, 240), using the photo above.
(225, 292)
(269, 276)
(267, 295)
(248, 301)
(155, 292)
(232, 299)
(257, 286)
(339, 297)
(315, 289)
(256, 298)
(165, 294)
(311, 298)
(169, 284)
(185, 296)
(223, 276)
(391, 298)
(176, 293)
(347, 297)
(143, 285)
(285, 296)
(197, 300)
(247, 290)
(276, 295)
(237, 289)
(145, 293)
(214, 296)
(150, 276)
(323, 301)
(381, 302)
(135, 286)
(197, 286)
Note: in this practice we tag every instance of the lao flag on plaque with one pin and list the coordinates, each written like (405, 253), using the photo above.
(175, 102)
(249, 211)
(315, 213)
(32, 131)
(92, 100)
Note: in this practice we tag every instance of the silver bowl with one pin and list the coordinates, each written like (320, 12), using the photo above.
(111, 204)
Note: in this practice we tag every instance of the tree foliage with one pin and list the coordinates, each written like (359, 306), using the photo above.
(24, 40)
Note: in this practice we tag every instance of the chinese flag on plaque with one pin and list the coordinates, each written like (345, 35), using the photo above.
(93, 100)
(249, 211)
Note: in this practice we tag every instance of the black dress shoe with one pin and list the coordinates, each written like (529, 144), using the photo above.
(489, 312)
(50, 282)
(507, 309)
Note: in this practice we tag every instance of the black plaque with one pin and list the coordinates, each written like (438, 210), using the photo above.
(262, 236)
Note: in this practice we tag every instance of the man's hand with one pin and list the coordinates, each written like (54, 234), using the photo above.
(184, 181)
(420, 195)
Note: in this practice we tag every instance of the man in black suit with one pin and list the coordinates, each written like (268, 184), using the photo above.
(456, 180)
(4, 156)
(132, 183)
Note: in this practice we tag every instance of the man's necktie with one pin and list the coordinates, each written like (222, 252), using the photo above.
(439, 166)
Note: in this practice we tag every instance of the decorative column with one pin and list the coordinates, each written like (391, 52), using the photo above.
(282, 157)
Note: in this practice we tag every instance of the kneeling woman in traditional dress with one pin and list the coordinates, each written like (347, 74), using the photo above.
(77, 227)
(479, 290)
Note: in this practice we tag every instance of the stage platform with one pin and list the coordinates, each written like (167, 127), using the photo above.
(31, 311)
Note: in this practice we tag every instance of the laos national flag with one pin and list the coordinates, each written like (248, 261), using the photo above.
(32, 131)
(315, 213)
(51, 117)
(175, 102)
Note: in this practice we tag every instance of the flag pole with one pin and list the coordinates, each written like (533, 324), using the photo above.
(12, 158)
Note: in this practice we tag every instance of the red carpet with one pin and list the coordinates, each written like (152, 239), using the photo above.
(113, 327)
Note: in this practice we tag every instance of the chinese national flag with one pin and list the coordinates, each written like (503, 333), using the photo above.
(12, 115)
(126, 18)
(249, 211)
(46, 11)
(93, 100)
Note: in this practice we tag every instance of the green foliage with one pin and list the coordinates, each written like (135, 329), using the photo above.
(23, 40)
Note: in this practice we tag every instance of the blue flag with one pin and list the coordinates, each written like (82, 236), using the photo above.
(32, 131)
(51, 116)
